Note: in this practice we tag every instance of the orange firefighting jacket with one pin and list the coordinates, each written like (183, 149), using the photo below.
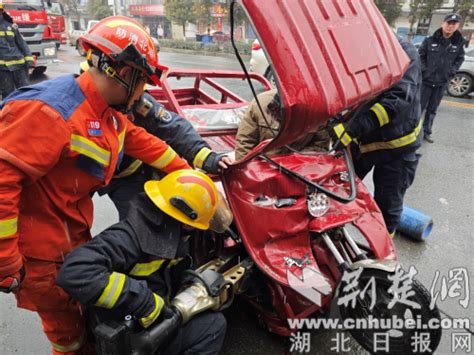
(59, 142)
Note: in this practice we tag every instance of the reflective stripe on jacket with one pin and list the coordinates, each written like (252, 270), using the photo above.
(175, 130)
(123, 266)
(392, 125)
(59, 141)
(14, 52)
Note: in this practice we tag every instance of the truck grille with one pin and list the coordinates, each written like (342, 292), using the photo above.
(32, 32)
(29, 25)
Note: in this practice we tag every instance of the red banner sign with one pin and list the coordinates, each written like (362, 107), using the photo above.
(146, 10)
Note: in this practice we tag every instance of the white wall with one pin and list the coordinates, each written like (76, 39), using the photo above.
(177, 31)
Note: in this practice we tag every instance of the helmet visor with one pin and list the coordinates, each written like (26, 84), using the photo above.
(132, 55)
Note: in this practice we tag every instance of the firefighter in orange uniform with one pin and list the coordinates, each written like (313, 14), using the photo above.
(61, 140)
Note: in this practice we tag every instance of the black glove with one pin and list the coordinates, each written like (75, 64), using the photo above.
(160, 306)
(168, 312)
(211, 164)
(29, 64)
(339, 134)
(13, 282)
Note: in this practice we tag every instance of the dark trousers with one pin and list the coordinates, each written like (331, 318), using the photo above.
(391, 181)
(430, 99)
(11, 80)
(203, 335)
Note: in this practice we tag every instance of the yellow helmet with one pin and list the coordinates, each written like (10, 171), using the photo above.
(1, 5)
(189, 196)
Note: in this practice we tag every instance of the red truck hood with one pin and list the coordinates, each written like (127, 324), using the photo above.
(326, 55)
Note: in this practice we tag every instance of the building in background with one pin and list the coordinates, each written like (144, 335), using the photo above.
(76, 14)
(150, 13)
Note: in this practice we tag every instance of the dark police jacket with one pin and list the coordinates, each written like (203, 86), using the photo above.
(119, 269)
(175, 130)
(441, 57)
(391, 127)
(14, 52)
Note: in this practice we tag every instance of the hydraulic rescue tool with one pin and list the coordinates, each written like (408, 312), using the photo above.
(205, 289)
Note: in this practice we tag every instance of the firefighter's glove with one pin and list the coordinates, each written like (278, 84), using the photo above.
(30, 64)
(159, 308)
(214, 163)
(13, 282)
(340, 137)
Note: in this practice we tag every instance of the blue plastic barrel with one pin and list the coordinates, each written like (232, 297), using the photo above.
(415, 224)
(206, 39)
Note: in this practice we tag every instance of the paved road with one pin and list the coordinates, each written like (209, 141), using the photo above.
(444, 189)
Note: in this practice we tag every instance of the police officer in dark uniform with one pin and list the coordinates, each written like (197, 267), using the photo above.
(15, 56)
(178, 133)
(134, 267)
(388, 135)
(441, 56)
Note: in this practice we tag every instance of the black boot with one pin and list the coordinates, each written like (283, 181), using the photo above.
(428, 138)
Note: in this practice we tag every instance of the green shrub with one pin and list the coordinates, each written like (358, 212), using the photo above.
(243, 48)
(214, 47)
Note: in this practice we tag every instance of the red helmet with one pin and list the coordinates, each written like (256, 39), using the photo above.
(125, 40)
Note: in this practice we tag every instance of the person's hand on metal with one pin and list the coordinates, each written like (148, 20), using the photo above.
(225, 161)
(12, 283)
(215, 162)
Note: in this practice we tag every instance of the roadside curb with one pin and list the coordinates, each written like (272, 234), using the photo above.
(458, 104)
(206, 53)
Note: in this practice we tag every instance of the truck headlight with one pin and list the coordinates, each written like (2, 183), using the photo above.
(318, 204)
(49, 52)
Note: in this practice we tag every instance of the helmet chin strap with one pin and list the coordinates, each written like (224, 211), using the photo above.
(101, 62)
(126, 107)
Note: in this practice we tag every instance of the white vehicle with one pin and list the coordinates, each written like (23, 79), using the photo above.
(463, 82)
(259, 63)
(75, 34)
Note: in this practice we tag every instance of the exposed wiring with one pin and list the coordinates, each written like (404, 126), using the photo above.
(316, 186)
